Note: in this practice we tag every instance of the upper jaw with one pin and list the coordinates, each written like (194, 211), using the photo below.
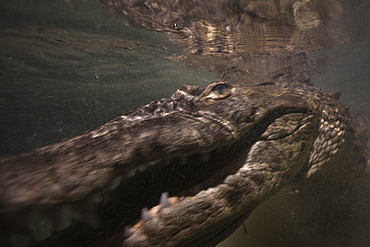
(193, 140)
(223, 161)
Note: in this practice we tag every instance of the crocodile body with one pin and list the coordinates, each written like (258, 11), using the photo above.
(236, 144)
(219, 152)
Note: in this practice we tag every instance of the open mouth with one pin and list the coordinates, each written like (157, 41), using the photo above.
(185, 176)
(172, 181)
(169, 181)
(145, 190)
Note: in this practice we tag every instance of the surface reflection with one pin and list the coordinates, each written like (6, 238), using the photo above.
(235, 26)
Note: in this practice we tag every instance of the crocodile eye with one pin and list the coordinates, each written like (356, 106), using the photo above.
(220, 89)
(174, 25)
(217, 91)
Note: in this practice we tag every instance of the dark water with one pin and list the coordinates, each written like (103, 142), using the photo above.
(346, 67)
(70, 66)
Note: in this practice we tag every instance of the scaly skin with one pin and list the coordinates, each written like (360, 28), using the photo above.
(256, 138)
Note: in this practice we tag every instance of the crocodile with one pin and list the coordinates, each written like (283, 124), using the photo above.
(218, 151)
(209, 156)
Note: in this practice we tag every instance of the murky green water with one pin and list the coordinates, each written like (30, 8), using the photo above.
(70, 66)
(346, 67)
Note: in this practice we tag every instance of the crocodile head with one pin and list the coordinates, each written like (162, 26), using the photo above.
(239, 146)
(218, 151)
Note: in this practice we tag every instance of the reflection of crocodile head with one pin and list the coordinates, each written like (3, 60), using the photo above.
(242, 38)
(229, 27)
(219, 152)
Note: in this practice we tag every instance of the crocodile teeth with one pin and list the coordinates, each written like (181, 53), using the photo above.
(141, 168)
(163, 201)
(115, 182)
(131, 173)
(145, 215)
(152, 163)
(127, 232)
